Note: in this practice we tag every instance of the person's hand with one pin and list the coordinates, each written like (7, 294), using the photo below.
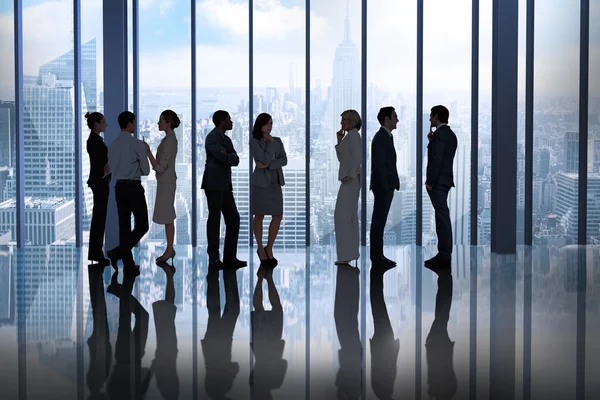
(428, 187)
(268, 138)
(107, 170)
(340, 134)
(430, 135)
(223, 150)
(261, 165)
(346, 179)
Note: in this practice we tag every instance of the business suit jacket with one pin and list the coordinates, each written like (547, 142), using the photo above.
(440, 157)
(349, 154)
(217, 171)
(166, 155)
(98, 152)
(269, 153)
(384, 174)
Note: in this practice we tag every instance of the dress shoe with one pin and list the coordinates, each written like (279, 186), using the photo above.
(234, 263)
(114, 257)
(132, 271)
(388, 260)
(437, 262)
(382, 262)
(100, 259)
(215, 265)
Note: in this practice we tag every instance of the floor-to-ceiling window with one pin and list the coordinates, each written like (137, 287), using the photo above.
(593, 197)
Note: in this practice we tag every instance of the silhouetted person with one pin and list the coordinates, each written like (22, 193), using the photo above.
(98, 182)
(130, 345)
(128, 161)
(440, 178)
(218, 188)
(267, 327)
(99, 341)
(164, 364)
(347, 295)
(441, 378)
(218, 339)
(384, 348)
(384, 180)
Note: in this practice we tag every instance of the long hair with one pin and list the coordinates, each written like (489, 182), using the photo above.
(261, 121)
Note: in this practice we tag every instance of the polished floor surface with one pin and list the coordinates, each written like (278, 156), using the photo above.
(522, 327)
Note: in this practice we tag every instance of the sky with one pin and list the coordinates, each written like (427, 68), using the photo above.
(279, 40)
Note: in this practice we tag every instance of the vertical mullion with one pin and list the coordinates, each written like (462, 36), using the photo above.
(194, 131)
(136, 65)
(529, 96)
(584, 51)
(474, 120)
(419, 125)
(19, 125)
(250, 104)
(363, 113)
(77, 116)
(307, 124)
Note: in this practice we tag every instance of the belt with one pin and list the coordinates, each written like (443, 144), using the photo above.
(129, 181)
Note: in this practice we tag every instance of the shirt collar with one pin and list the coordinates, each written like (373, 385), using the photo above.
(387, 130)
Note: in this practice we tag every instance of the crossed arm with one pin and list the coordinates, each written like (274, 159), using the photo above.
(213, 146)
(265, 157)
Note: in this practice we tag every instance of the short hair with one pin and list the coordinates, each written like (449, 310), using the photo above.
(219, 116)
(171, 118)
(261, 120)
(125, 118)
(353, 118)
(442, 113)
(93, 118)
(385, 112)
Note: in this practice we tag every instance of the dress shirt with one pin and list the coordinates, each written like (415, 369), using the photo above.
(127, 158)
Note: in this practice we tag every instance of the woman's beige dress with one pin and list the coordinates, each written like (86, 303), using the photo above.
(166, 181)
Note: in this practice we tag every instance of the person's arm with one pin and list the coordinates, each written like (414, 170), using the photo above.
(259, 154)
(97, 153)
(142, 156)
(215, 149)
(279, 162)
(355, 156)
(167, 155)
(435, 155)
(378, 161)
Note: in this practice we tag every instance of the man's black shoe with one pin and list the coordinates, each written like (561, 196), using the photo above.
(234, 263)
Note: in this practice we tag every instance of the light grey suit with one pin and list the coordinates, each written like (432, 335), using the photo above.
(349, 153)
(166, 181)
(267, 197)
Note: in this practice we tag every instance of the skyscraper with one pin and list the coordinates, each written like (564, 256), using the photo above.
(7, 133)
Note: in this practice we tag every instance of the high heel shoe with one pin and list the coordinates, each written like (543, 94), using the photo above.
(165, 257)
(258, 254)
(272, 259)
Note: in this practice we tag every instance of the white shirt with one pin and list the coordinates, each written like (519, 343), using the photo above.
(387, 130)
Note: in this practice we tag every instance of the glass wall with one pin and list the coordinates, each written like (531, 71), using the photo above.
(92, 99)
(448, 82)
(392, 81)
(222, 83)
(48, 97)
(593, 198)
(7, 126)
(165, 72)
(335, 72)
(556, 123)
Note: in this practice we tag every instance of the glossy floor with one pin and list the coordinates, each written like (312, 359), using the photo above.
(517, 327)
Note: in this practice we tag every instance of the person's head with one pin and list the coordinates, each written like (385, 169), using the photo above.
(350, 120)
(168, 121)
(96, 122)
(387, 118)
(222, 120)
(127, 121)
(262, 126)
(439, 115)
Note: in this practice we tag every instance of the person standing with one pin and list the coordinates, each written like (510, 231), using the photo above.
(267, 180)
(349, 154)
(440, 178)
(384, 180)
(128, 161)
(98, 182)
(218, 188)
(166, 179)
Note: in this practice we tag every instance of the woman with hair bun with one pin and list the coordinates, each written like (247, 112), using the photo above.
(166, 178)
(98, 182)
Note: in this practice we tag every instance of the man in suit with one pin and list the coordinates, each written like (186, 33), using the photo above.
(216, 182)
(384, 180)
(440, 157)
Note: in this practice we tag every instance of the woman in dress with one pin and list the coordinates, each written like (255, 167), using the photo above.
(267, 196)
(166, 179)
(349, 153)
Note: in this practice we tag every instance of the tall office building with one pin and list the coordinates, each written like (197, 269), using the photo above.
(567, 204)
(7, 134)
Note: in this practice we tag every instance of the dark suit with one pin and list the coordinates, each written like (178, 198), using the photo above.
(384, 179)
(99, 184)
(440, 157)
(216, 182)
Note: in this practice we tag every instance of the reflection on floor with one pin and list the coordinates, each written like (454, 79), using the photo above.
(501, 327)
